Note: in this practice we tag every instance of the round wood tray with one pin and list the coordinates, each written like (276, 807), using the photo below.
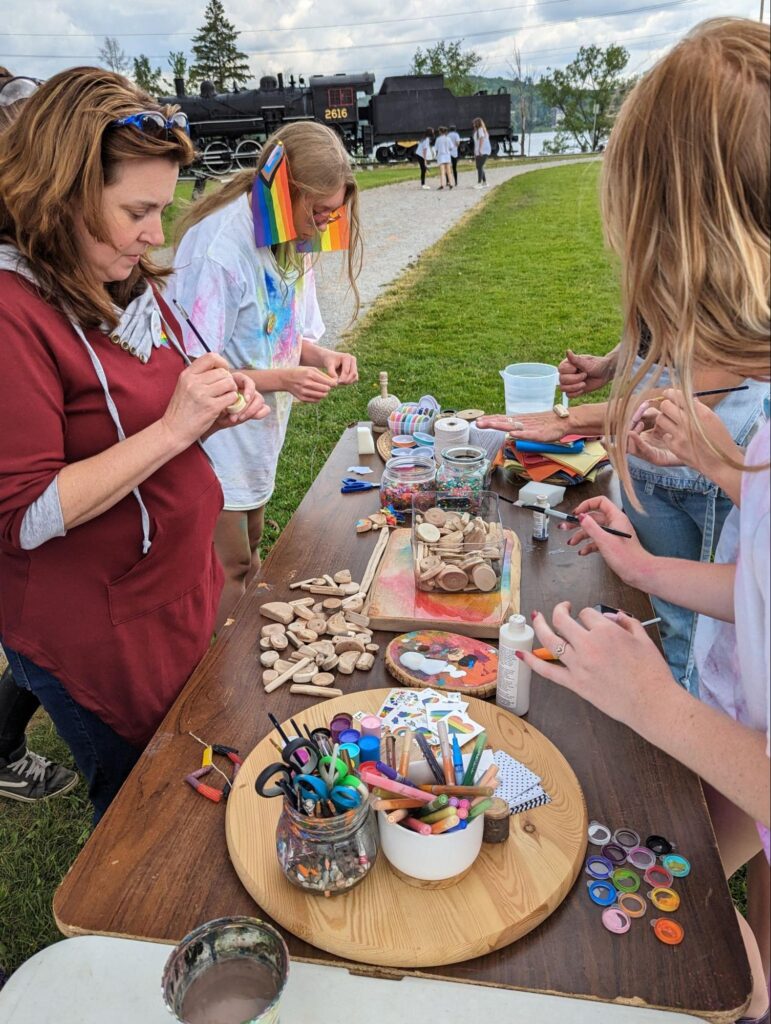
(385, 444)
(511, 888)
(481, 675)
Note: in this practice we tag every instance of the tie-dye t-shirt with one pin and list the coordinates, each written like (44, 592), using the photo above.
(734, 662)
(256, 318)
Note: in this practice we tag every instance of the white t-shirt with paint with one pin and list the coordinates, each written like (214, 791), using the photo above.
(454, 142)
(443, 149)
(482, 143)
(423, 148)
(256, 318)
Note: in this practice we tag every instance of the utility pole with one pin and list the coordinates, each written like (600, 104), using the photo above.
(595, 111)
(762, 4)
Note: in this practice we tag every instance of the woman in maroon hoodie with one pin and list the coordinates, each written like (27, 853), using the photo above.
(108, 579)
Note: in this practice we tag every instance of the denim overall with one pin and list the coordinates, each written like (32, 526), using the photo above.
(683, 514)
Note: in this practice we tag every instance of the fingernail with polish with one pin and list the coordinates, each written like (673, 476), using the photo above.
(519, 655)
(533, 615)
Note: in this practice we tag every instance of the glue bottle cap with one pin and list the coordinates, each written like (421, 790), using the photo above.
(518, 623)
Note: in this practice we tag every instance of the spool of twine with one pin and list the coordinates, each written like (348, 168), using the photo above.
(497, 821)
(449, 432)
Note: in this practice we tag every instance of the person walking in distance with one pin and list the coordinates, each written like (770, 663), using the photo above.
(482, 150)
(423, 155)
(454, 138)
(443, 157)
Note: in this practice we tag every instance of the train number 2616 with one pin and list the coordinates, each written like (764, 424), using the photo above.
(336, 114)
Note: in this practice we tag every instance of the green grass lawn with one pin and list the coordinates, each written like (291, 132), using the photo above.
(522, 277)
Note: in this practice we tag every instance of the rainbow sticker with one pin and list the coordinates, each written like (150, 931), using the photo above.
(271, 202)
(335, 236)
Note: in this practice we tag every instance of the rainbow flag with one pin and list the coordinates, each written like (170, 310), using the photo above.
(271, 202)
(335, 236)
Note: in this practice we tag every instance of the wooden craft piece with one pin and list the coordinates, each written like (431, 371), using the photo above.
(305, 675)
(279, 611)
(272, 629)
(344, 576)
(428, 532)
(346, 662)
(511, 888)
(396, 606)
(452, 579)
(374, 562)
(365, 662)
(269, 658)
(354, 603)
(385, 445)
(318, 624)
(445, 655)
(323, 679)
(265, 643)
(279, 641)
(315, 691)
(269, 675)
(349, 589)
(337, 626)
(484, 577)
(284, 676)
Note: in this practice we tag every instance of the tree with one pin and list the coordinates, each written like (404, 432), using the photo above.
(216, 55)
(523, 96)
(449, 60)
(586, 93)
(113, 57)
(148, 78)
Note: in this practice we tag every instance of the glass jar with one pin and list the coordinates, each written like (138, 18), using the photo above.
(458, 543)
(405, 476)
(463, 472)
(326, 856)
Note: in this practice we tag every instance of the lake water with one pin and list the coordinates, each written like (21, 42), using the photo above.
(535, 141)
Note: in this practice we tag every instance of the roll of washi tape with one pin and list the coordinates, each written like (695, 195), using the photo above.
(339, 724)
(598, 866)
(349, 736)
(599, 834)
(369, 747)
(633, 904)
(640, 857)
(658, 876)
(371, 725)
(671, 933)
(615, 853)
(626, 837)
(625, 880)
(678, 866)
(659, 845)
(602, 893)
(663, 898)
(616, 920)
(352, 750)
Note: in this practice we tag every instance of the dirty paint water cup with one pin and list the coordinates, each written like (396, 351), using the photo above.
(229, 971)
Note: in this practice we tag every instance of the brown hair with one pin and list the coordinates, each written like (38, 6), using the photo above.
(318, 166)
(685, 200)
(55, 161)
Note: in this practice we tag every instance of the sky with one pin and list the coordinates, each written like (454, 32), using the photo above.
(305, 37)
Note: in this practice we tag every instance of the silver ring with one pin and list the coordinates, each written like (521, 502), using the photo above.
(560, 649)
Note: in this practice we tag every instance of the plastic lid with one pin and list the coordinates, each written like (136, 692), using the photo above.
(669, 932)
(518, 621)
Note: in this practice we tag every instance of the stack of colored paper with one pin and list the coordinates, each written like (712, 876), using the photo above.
(572, 460)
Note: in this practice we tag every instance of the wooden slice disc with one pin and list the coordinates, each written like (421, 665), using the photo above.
(452, 578)
(484, 577)
(435, 516)
(428, 532)
(450, 662)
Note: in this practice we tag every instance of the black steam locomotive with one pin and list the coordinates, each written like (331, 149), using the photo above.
(229, 128)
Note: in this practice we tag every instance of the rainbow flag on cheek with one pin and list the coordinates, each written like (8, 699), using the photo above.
(335, 236)
(272, 203)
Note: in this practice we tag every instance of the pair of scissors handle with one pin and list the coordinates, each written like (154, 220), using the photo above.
(293, 755)
(345, 797)
(332, 769)
(275, 780)
(351, 484)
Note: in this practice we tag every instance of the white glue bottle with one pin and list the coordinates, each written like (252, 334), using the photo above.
(513, 690)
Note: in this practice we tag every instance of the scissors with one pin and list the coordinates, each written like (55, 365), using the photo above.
(351, 484)
(278, 779)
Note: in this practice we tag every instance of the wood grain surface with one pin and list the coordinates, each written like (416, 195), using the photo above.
(510, 889)
(157, 864)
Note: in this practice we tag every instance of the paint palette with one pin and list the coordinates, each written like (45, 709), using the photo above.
(445, 661)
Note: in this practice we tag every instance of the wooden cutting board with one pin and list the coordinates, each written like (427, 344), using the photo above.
(396, 605)
(511, 888)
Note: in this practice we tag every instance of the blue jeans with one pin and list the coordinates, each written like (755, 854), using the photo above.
(678, 523)
(103, 757)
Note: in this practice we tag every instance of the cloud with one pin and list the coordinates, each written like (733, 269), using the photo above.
(40, 37)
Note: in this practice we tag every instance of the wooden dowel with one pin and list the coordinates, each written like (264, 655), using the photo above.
(280, 680)
(315, 691)
(374, 562)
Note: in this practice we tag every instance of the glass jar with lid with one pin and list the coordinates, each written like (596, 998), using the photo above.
(405, 476)
(326, 856)
(463, 472)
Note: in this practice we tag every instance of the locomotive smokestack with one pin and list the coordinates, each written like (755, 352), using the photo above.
(179, 85)
(280, 80)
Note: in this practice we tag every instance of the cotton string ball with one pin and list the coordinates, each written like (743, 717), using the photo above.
(381, 406)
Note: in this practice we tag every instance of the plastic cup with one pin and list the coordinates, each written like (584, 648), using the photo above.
(529, 387)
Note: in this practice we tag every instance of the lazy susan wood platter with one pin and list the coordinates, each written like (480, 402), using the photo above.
(396, 605)
(511, 888)
(446, 661)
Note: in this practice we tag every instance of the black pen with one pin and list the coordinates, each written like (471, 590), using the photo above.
(556, 514)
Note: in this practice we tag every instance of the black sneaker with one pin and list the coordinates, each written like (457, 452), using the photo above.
(30, 777)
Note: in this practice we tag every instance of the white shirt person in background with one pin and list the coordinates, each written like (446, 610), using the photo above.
(482, 150)
(444, 157)
(454, 138)
(423, 154)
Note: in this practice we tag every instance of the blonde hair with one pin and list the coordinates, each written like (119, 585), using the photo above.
(318, 166)
(55, 162)
(685, 202)
(478, 123)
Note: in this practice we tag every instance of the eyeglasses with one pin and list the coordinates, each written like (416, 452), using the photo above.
(17, 88)
(322, 218)
(152, 122)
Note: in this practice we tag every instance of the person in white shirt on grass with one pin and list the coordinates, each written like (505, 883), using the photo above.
(482, 149)
(454, 138)
(423, 155)
(256, 305)
(443, 158)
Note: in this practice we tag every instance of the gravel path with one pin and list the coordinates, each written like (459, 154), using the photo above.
(398, 222)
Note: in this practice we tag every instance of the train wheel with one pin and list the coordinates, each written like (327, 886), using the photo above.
(217, 157)
(381, 154)
(247, 154)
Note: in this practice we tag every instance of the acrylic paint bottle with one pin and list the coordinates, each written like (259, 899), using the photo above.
(513, 690)
(540, 521)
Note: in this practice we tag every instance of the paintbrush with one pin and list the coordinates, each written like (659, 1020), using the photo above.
(706, 394)
(240, 402)
(569, 518)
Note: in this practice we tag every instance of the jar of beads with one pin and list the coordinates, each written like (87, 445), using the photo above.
(326, 856)
(463, 472)
(405, 476)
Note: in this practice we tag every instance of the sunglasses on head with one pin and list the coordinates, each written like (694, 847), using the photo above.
(17, 88)
(152, 122)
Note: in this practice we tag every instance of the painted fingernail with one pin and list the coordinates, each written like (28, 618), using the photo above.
(520, 655)
(533, 614)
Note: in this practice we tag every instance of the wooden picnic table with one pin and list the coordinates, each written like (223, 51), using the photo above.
(157, 865)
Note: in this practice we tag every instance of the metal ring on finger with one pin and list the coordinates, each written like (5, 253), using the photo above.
(560, 649)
